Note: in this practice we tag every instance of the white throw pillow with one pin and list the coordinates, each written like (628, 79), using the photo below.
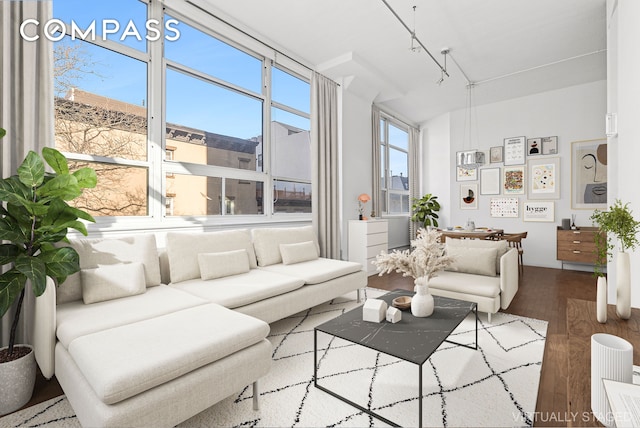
(183, 249)
(299, 252)
(267, 240)
(225, 263)
(502, 246)
(478, 261)
(112, 282)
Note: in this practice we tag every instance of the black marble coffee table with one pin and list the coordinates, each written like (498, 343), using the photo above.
(412, 339)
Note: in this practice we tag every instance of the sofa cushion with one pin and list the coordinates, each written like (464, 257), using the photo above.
(183, 249)
(266, 241)
(112, 282)
(478, 261)
(464, 283)
(122, 362)
(110, 251)
(240, 290)
(225, 263)
(298, 252)
(501, 246)
(75, 319)
(316, 271)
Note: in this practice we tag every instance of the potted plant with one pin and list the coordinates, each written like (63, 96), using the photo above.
(34, 217)
(619, 222)
(425, 209)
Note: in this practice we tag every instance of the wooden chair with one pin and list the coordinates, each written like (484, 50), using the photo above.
(515, 241)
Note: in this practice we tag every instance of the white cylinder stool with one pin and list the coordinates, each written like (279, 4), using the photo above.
(611, 358)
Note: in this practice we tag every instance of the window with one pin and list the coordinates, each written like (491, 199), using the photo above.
(222, 129)
(394, 167)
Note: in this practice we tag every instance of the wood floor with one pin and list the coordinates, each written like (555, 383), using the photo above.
(543, 294)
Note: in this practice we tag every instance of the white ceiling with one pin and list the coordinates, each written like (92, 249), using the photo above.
(548, 44)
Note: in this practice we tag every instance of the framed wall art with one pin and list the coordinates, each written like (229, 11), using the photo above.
(544, 178)
(514, 151)
(503, 207)
(495, 154)
(550, 145)
(589, 174)
(513, 180)
(534, 146)
(490, 181)
(466, 174)
(469, 196)
(543, 211)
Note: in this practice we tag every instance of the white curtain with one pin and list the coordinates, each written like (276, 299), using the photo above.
(325, 168)
(26, 110)
(414, 174)
(376, 204)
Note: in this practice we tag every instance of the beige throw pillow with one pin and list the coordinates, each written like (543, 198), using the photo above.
(112, 282)
(299, 252)
(225, 263)
(478, 261)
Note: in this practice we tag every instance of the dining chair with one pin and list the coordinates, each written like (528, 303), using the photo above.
(515, 241)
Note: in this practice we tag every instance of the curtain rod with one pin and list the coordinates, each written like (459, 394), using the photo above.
(413, 34)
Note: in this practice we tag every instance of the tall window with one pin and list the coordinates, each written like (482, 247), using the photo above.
(394, 167)
(177, 120)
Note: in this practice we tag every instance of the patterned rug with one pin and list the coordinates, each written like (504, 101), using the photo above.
(496, 385)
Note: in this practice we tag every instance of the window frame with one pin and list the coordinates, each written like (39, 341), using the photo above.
(384, 144)
(158, 166)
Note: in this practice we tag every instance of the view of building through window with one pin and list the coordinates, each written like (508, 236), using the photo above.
(394, 167)
(210, 138)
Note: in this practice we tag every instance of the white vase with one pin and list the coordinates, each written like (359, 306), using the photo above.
(611, 358)
(19, 376)
(623, 286)
(422, 301)
(601, 300)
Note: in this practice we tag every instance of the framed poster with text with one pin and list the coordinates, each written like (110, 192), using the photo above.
(515, 151)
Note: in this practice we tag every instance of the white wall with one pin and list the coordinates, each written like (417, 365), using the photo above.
(624, 86)
(436, 136)
(356, 159)
(572, 114)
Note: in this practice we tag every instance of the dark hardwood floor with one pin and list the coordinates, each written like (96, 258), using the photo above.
(543, 294)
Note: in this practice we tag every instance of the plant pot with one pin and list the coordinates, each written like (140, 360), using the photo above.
(601, 300)
(623, 286)
(18, 378)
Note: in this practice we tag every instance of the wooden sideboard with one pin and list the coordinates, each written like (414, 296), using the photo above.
(576, 246)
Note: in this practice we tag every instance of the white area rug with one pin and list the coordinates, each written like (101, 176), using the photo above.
(496, 385)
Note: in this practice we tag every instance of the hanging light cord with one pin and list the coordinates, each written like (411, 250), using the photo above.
(442, 69)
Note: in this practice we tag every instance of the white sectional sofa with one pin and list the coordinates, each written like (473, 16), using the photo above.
(485, 272)
(142, 337)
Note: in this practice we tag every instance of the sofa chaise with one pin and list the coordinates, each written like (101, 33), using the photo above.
(148, 337)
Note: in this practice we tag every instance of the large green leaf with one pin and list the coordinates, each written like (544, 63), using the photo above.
(87, 178)
(31, 172)
(8, 232)
(81, 214)
(14, 191)
(11, 284)
(34, 269)
(8, 253)
(2, 132)
(57, 213)
(56, 160)
(63, 186)
(61, 262)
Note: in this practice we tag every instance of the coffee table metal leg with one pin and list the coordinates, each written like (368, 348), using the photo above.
(420, 396)
(315, 357)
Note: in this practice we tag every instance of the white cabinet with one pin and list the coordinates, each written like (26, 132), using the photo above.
(367, 238)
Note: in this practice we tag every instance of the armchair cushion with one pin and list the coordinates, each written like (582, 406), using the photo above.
(479, 261)
(501, 246)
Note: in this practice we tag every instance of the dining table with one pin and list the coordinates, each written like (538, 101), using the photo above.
(477, 233)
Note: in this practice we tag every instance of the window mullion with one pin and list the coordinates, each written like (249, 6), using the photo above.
(155, 119)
